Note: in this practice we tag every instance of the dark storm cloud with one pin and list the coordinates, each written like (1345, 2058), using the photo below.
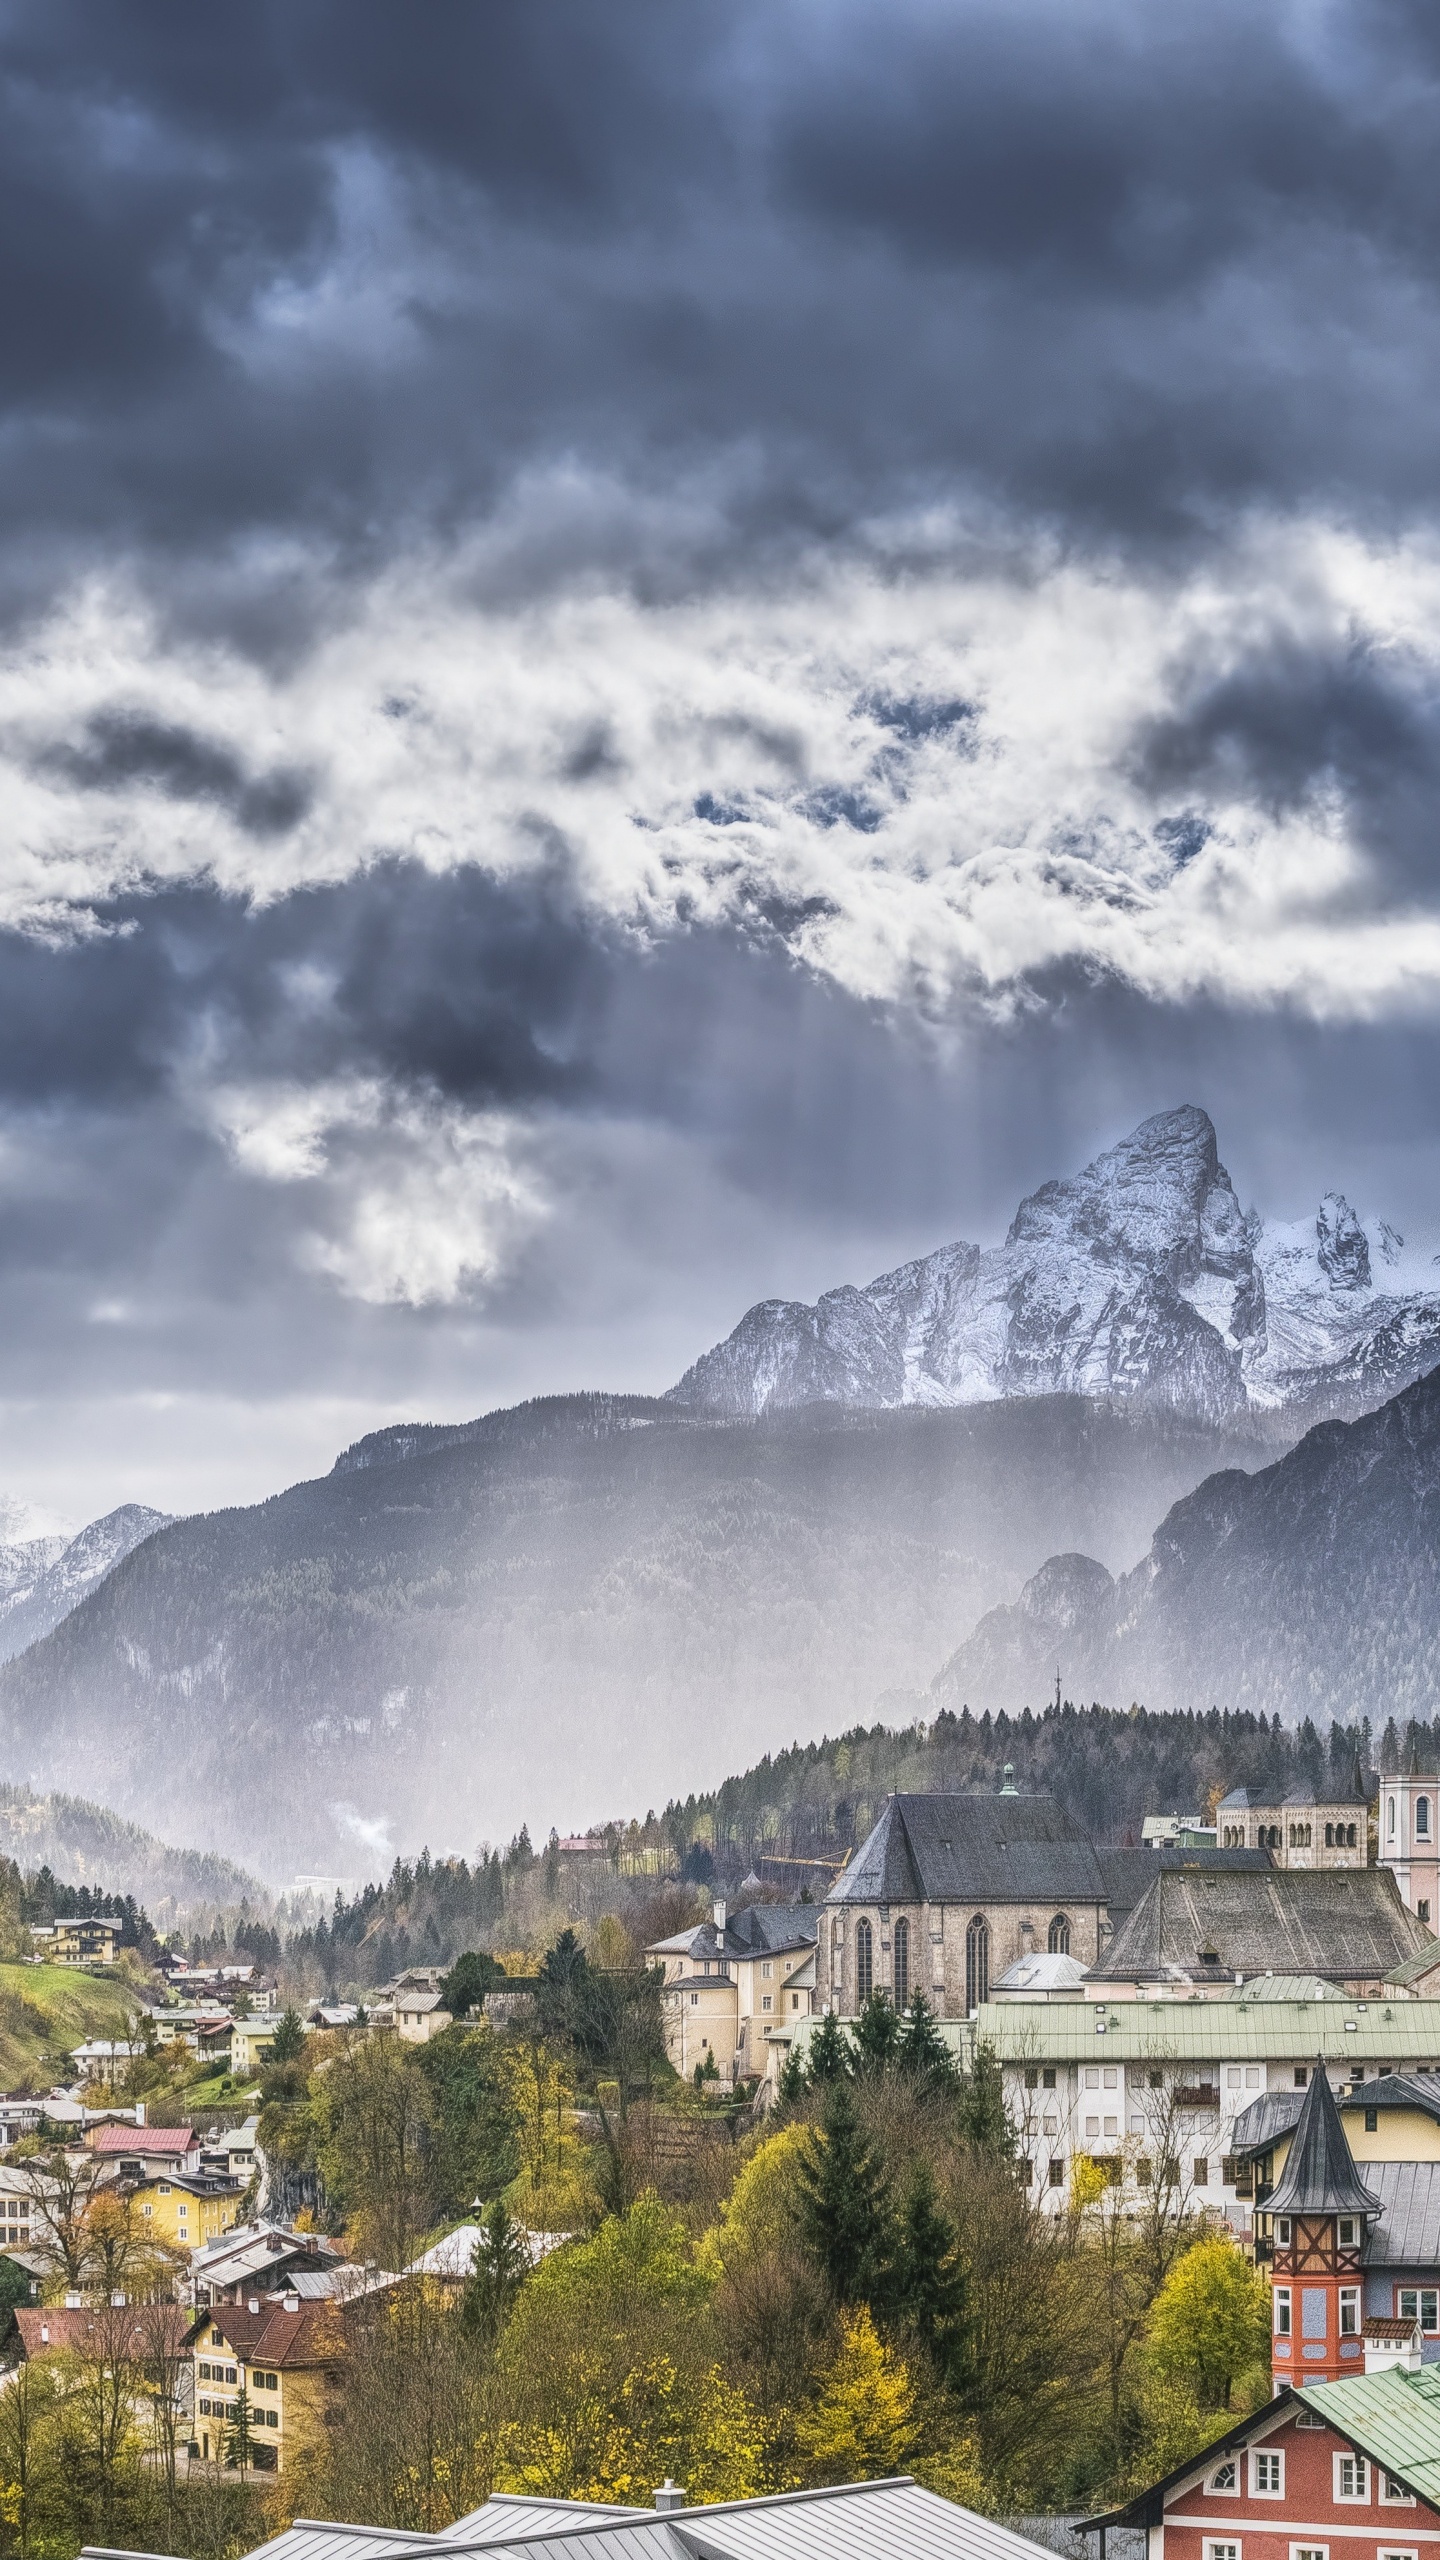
(1288, 724)
(1088, 260)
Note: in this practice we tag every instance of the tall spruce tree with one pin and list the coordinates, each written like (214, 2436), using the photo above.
(877, 2036)
(984, 2123)
(929, 2285)
(922, 2052)
(847, 2218)
(831, 2055)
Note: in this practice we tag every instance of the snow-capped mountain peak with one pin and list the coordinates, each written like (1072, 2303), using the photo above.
(1138, 1276)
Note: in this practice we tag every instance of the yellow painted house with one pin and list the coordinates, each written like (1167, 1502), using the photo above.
(281, 2353)
(250, 2042)
(1391, 2116)
(186, 2212)
(736, 1988)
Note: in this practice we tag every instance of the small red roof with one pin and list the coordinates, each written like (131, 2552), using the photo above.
(145, 2141)
(137, 2331)
(313, 2335)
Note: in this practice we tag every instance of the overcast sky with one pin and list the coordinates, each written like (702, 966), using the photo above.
(653, 655)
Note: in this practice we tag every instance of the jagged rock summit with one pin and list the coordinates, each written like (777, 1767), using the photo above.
(1140, 1277)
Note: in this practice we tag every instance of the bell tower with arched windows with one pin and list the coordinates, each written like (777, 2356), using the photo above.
(1316, 2217)
(1410, 1839)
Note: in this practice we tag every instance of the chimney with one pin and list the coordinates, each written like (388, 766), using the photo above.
(254, 2302)
(720, 1932)
(667, 2496)
(117, 2301)
(292, 2301)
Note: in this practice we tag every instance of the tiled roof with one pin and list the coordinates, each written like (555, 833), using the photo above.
(1345, 1923)
(147, 2141)
(135, 2330)
(273, 2335)
(946, 1848)
(1128, 1874)
(1319, 2175)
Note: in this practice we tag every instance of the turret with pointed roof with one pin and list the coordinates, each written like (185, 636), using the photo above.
(1317, 2212)
(1319, 2176)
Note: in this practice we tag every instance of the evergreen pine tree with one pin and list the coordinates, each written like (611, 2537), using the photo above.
(239, 2433)
(922, 2052)
(793, 2079)
(831, 2057)
(499, 2268)
(847, 2221)
(984, 2123)
(877, 2036)
(929, 2287)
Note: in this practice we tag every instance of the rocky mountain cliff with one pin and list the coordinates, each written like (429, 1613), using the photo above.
(1139, 1278)
(43, 1578)
(555, 1610)
(1309, 1588)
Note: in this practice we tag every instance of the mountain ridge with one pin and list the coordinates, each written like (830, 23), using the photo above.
(1139, 1277)
(1308, 1587)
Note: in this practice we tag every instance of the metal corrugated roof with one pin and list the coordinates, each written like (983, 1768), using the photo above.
(881, 2520)
(1198, 2030)
(513, 2519)
(873, 2520)
(1407, 2232)
(1394, 2417)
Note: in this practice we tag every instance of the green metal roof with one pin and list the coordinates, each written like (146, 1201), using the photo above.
(1394, 2417)
(1402, 2032)
(1414, 1966)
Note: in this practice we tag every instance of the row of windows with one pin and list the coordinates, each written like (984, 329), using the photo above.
(977, 1959)
(1352, 2477)
(1312, 2310)
(1422, 1818)
(1302, 2551)
(226, 2409)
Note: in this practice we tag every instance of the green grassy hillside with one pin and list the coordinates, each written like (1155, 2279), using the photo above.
(45, 2009)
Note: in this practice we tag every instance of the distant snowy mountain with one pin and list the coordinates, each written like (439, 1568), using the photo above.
(41, 1579)
(1139, 1278)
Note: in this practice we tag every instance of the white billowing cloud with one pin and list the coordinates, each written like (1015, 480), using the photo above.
(419, 1202)
(747, 752)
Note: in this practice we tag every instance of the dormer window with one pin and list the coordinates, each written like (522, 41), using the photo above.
(1282, 2232)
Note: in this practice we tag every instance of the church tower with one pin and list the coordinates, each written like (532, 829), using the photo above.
(1410, 1839)
(1316, 2215)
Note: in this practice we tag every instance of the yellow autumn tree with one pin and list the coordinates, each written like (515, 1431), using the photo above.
(863, 2424)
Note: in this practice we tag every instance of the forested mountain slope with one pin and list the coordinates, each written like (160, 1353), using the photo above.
(1309, 1588)
(562, 1609)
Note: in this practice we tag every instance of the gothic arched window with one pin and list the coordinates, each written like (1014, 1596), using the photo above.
(977, 1962)
(1059, 1935)
(902, 1963)
(864, 1963)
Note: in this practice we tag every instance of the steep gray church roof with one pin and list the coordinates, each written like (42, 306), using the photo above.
(954, 1848)
(1345, 1924)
